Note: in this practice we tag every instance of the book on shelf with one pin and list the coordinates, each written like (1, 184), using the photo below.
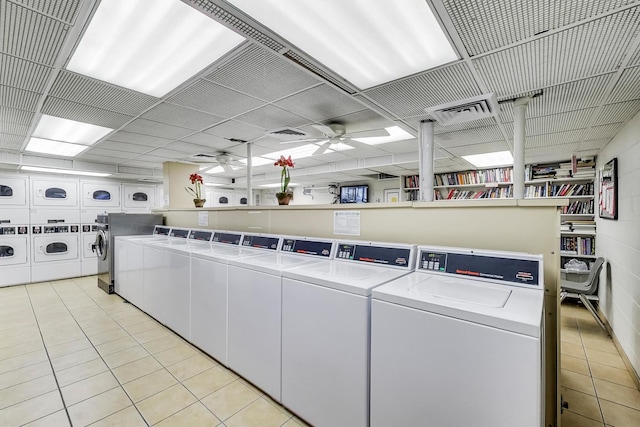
(483, 176)
(584, 169)
(578, 245)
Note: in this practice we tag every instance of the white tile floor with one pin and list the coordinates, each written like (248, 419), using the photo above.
(72, 355)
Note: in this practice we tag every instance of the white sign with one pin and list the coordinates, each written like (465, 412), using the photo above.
(346, 222)
(203, 218)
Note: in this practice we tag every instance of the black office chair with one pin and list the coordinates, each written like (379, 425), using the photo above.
(584, 284)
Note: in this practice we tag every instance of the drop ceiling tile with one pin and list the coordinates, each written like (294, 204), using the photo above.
(603, 131)
(262, 74)
(30, 35)
(84, 113)
(123, 146)
(85, 90)
(320, 103)
(11, 142)
(469, 136)
(487, 147)
(556, 138)
(235, 130)
(136, 138)
(627, 88)
(64, 10)
(407, 146)
(14, 128)
(167, 153)
(148, 127)
(272, 117)
(98, 152)
(619, 112)
(18, 98)
(182, 117)
(409, 97)
(207, 140)
(593, 48)
(143, 164)
(23, 74)
(215, 99)
(563, 150)
(570, 120)
(490, 24)
(100, 159)
(593, 145)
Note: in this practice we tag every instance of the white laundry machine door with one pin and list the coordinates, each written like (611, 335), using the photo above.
(100, 195)
(138, 198)
(54, 192)
(56, 252)
(14, 255)
(55, 248)
(13, 192)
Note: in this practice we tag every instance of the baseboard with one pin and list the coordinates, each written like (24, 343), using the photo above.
(623, 355)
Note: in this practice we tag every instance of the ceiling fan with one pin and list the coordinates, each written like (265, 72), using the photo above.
(336, 133)
(222, 159)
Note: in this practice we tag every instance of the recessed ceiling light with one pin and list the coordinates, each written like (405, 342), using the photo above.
(498, 158)
(213, 184)
(366, 42)
(396, 133)
(47, 146)
(59, 129)
(277, 184)
(62, 171)
(150, 46)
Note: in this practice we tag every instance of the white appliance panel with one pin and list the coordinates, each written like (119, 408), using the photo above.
(100, 195)
(325, 353)
(424, 366)
(154, 281)
(10, 215)
(55, 255)
(53, 248)
(13, 192)
(175, 301)
(43, 215)
(14, 257)
(138, 197)
(54, 192)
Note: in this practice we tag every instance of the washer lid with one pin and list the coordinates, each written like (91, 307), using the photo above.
(510, 308)
(273, 263)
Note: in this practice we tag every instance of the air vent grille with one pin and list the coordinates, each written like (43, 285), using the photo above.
(288, 133)
(316, 70)
(476, 108)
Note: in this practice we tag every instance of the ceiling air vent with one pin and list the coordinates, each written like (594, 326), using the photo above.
(203, 158)
(466, 110)
(288, 133)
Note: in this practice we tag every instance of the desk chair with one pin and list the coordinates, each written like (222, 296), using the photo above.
(584, 284)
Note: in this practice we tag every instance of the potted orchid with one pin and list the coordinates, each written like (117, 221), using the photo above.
(285, 194)
(196, 192)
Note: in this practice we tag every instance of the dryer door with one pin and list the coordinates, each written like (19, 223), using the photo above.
(13, 192)
(54, 193)
(55, 248)
(96, 195)
(139, 197)
(13, 251)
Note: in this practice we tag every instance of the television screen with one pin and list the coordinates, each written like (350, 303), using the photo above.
(354, 194)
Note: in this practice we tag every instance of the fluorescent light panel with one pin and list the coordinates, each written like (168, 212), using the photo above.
(366, 42)
(396, 133)
(47, 146)
(498, 158)
(62, 171)
(59, 129)
(150, 46)
(277, 184)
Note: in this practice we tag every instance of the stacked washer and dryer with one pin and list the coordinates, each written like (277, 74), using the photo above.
(15, 243)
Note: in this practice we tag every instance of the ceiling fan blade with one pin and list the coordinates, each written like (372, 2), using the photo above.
(301, 140)
(369, 133)
(325, 130)
(324, 147)
(226, 167)
(236, 164)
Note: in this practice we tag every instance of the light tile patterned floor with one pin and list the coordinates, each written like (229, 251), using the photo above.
(594, 379)
(72, 355)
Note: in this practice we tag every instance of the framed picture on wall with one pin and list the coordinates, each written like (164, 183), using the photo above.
(608, 192)
(391, 195)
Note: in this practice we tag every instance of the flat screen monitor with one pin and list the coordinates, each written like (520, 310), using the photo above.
(354, 194)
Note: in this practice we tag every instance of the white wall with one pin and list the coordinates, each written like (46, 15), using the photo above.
(619, 243)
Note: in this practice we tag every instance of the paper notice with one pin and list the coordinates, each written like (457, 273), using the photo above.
(203, 218)
(346, 223)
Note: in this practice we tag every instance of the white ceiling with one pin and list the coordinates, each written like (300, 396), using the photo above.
(581, 57)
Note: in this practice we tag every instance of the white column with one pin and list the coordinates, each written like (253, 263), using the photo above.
(426, 150)
(520, 114)
(250, 201)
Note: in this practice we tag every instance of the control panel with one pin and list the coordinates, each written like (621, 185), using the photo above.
(204, 236)
(88, 228)
(181, 233)
(384, 255)
(261, 242)
(307, 247)
(54, 229)
(228, 238)
(160, 230)
(14, 230)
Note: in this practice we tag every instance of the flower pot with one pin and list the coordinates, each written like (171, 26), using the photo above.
(199, 202)
(284, 198)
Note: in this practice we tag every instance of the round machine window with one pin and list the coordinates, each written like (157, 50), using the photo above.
(140, 197)
(6, 251)
(101, 195)
(55, 193)
(6, 191)
(223, 200)
(243, 201)
(56, 248)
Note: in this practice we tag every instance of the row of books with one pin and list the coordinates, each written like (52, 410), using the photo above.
(475, 177)
(578, 245)
(584, 168)
(535, 191)
(578, 225)
(412, 181)
(581, 207)
(566, 190)
(489, 193)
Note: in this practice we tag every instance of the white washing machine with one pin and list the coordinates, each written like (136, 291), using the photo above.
(325, 331)
(138, 198)
(55, 252)
(13, 192)
(255, 308)
(209, 292)
(460, 341)
(54, 192)
(100, 195)
(89, 263)
(128, 264)
(14, 255)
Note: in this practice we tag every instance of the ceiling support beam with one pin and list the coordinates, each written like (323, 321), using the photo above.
(519, 135)
(426, 150)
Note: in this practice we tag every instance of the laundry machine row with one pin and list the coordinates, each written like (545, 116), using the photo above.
(15, 245)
